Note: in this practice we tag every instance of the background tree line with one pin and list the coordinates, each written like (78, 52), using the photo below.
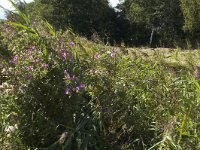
(134, 22)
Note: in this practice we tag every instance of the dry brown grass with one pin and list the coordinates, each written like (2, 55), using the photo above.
(185, 58)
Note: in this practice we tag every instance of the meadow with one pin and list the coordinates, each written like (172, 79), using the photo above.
(60, 91)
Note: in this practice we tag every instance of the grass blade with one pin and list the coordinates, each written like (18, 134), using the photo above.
(50, 27)
(25, 18)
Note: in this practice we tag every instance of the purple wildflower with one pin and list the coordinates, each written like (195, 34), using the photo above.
(64, 54)
(113, 53)
(77, 88)
(45, 65)
(72, 44)
(71, 77)
(30, 57)
(30, 68)
(17, 72)
(65, 72)
(14, 59)
(67, 91)
(31, 49)
(37, 61)
(82, 86)
(29, 77)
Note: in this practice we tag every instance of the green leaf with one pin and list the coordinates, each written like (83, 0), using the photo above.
(45, 51)
(171, 141)
(25, 18)
(51, 29)
(22, 27)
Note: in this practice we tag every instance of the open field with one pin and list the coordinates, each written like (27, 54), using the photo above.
(170, 56)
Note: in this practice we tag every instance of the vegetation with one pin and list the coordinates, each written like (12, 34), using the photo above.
(61, 91)
(154, 23)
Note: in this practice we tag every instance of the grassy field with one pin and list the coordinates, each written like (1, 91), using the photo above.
(184, 58)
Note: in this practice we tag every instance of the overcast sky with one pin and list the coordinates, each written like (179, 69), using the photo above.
(7, 5)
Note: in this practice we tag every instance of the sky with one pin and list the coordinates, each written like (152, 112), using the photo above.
(6, 4)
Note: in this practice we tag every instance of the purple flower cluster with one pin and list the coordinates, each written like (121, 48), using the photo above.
(31, 49)
(81, 86)
(30, 68)
(69, 77)
(14, 59)
(77, 89)
(72, 78)
(64, 53)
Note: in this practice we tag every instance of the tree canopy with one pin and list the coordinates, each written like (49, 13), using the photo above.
(135, 22)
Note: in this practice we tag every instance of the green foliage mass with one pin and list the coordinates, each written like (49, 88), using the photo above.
(164, 17)
(155, 23)
(84, 17)
(191, 13)
(60, 91)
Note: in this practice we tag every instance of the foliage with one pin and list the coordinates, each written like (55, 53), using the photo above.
(155, 23)
(85, 17)
(191, 14)
(163, 17)
(61, 91)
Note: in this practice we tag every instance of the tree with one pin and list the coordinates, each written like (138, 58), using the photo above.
(85, 17)
(160, 16)
(191, 12)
